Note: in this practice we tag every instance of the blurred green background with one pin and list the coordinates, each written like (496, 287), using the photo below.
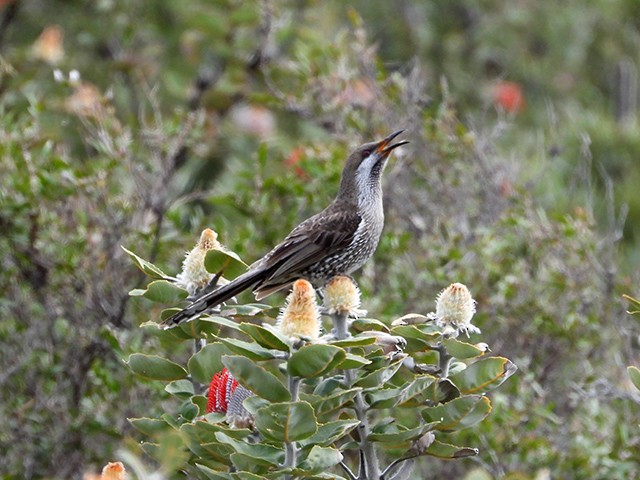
(142, 123)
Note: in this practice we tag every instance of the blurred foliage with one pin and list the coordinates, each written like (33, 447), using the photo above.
(141, 123)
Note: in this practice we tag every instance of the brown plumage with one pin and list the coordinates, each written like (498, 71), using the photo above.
(336, 241)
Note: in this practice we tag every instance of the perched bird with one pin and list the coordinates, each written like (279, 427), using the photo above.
(336, 241)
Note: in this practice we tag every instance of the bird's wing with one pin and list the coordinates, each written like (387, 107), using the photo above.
(310, 242)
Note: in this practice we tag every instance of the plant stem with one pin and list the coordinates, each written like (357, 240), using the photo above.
(290, 448)
(444, 360)
(369, 468)
(198, 344)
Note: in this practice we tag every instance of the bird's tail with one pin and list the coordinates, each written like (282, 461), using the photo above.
(210, 300)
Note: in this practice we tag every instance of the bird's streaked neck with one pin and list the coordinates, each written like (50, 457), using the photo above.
(368, 181)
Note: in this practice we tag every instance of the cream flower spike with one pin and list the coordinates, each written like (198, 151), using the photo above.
(342, 296)
(454, 310)
(300, 317)
(194, 275)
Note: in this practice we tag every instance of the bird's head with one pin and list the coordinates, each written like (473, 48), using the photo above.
(364, 166)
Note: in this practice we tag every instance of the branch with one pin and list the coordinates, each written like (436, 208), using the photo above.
(369, 469)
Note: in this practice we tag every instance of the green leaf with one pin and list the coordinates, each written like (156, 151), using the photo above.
(247, 310)
(444, 450)
(361, 340)
(149, 426)
(286, 422)
(189, 410)
(202, 441)
(162, 291)
(180, 388)
(459, 413)
(172, 453)
(315, 360)
(320, 459)
(260, 452)
(200, 401)
(155, 367)
(207, 362)
(257, 379)
(462, 350)
(417, 339)
(266, 335)
(390, 397)
(148, 268)
(366, 324)
(352, 361)
(379, 377)
(442, 391)
(245, 475)
(249, 350)
(401, 435)
(330, 432)
(337, 400)
(484, 375)
(225, 263)
(222, 321)
(246, 463)
(213, 474)
(634, 375)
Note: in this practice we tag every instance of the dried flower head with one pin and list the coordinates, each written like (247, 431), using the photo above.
(454, 310)
(342, 296)
(300, 317)
(194, 275)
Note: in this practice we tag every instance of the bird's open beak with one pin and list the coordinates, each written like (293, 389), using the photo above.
(385, 145)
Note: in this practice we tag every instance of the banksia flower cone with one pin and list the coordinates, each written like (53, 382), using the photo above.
(300, 317)
(454, 310)
(226, 396)
(342, 296)
(194, 275)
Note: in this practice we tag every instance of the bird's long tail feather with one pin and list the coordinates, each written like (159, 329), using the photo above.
(210, 300)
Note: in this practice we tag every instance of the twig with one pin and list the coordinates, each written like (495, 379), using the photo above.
(348, 471)
(444, 360)
(393, 465)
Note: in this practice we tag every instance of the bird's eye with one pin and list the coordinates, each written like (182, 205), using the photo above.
(366, 153)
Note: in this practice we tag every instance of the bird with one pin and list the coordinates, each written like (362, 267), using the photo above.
(336, 241)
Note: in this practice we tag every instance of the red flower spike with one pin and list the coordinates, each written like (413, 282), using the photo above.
(220, 389)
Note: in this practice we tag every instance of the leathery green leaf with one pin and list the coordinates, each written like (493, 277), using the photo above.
(445, 450)
(225, 263)
(315, 360)
(462, 350)
(266, 335)
(321, 458)
(147, 267)
(207, 362)
(257, 379)
(247, 349)
(459, 413)
(286, 422)
(484, 375)
(155, 367)
(163, 291)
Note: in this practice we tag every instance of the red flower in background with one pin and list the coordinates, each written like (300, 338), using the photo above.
(508, 96)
